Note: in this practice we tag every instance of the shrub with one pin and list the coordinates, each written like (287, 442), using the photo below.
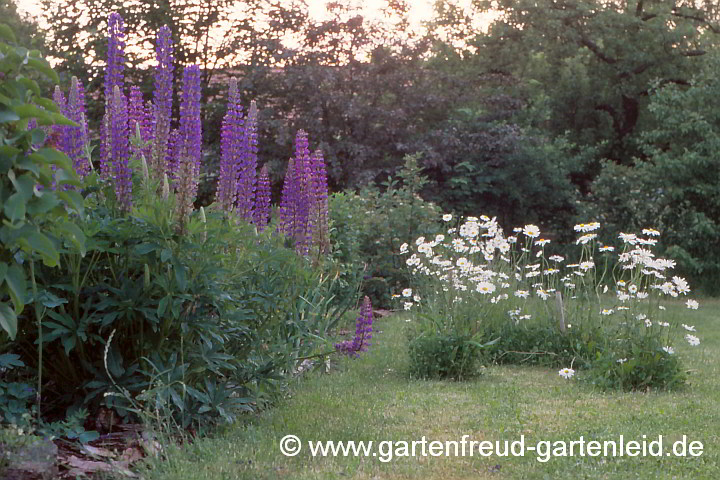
(368, 228)
(444, 356)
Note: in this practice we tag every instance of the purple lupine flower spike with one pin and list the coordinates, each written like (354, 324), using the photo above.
(302, 229)
(139, 119)
(79, 136)
(162, 101)
(261, 215)
(60, 132)
(120, 150)
(363, 332)
(116, 55)
(231, 134)
(320, 214)
(113, 78)
(247, 174)
(288, 201)
(189, 156)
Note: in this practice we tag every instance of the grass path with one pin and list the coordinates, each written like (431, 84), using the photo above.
(372, 399)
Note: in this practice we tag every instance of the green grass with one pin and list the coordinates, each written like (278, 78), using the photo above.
(372, 398)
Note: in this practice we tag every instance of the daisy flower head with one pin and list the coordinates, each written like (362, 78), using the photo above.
(651, 232)
(689, 328)
(630, 238)
(556, 258)
(566, 373)
(531, 231)
(407, 305)
(585, 266)
(621, 360)
(522, 293)
(542, 242)
(447, 217)
(586, 238)
(439, 238)
(404, 248)
(669, 350)
(606, 311)
(692, 304)
(407, 293)
(420, 241)
(485, 288)
(692, 340)
(606, 248)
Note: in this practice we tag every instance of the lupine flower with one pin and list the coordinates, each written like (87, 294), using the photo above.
(113, 78)
(302, 229)
(119, 150)
(303, 211)
(320, 214)
(172, 154)
(189, 156)
(247, 168)
(68, 139)
(261, 214)
(231, 144)
(288, 200)
(162, 100)
(116, 55)
(363, 332)
(79, 136)
(139, 119)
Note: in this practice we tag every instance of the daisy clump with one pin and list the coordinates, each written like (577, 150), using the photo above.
(612, 300)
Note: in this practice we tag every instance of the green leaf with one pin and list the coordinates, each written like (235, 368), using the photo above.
(17, 287)
(180, 276)
(3, 270)
(73, 199)
(14, 208)
(52, 156)
(42, 244)
(42, 204)
(73, 233)
(42, 66)
(6, 33)
(7, 116)
(8, 320)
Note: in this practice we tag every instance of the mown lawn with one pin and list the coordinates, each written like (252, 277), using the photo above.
(372, 398)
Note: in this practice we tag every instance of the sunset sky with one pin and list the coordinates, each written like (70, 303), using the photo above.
(420, 10)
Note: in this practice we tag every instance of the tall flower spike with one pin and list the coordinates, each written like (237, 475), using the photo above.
(138, 121)
(113, 78)
(162, 100)
(119, 150)
(79, 136)
(363, 332)
(231, 144)
(320, 214)
(60, 132)
(302, 229)
(247, 174)
(116, 55)
(190, 152)
(261, 214)
(288, 201)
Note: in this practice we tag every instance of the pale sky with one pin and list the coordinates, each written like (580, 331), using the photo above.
(420, 10)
